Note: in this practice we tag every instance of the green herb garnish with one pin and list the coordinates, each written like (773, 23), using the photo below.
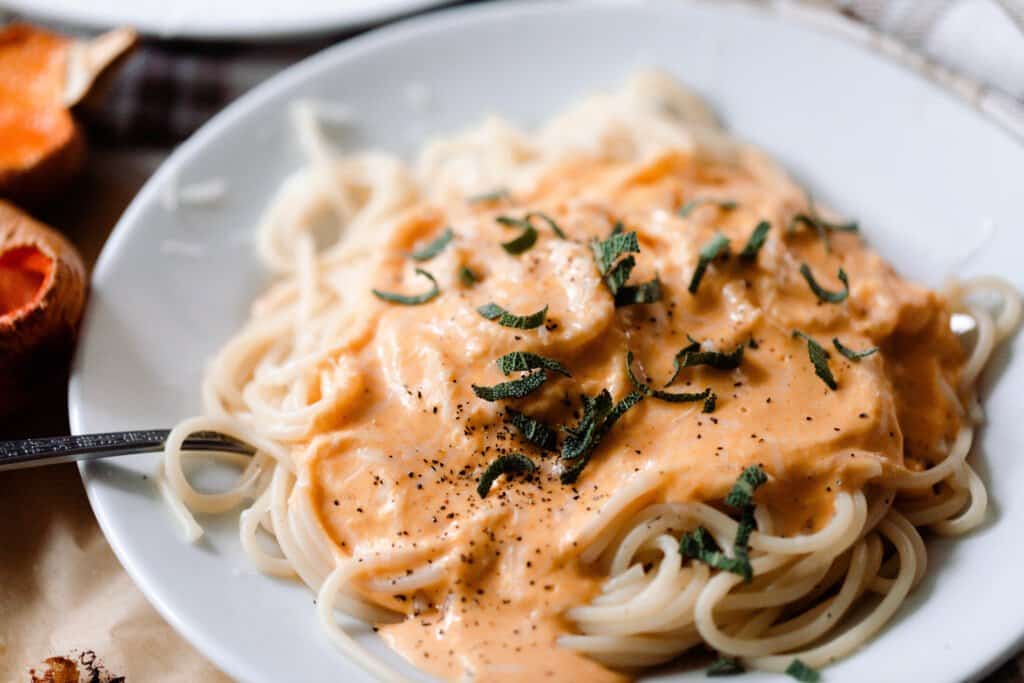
(620, 273)
(431, 250)
(691, 355)
(599, 415)
(616, 278)
(714, 359)
(742, 493)
(616, 275)
(527, 222)
(741, 544)
(700, 545)
(467, 277)
(669, 397)
(692, 347)
(725, 666)
(517, 388)
(688, 208)
(644, 293)
(756, 241)
(493, 311)
(411, 300)
(697, 543)
(802, 672)
(850, 353)
(643, 388)
(718, 245)
(582, 438)
(620, 408)
(819, 359)
(493, 196)
(521, 361)
(532, 429)
(606, 251)
(526, 239)
(821, 226)
(551, 224)
(822, 293)
(513, 463)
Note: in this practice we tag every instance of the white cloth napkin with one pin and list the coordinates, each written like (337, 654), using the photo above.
(981, 39)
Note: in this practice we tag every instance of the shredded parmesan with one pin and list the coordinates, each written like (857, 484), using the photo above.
(201, 193)
(178, 248)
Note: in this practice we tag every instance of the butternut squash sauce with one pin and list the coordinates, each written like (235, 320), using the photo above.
(393, 473)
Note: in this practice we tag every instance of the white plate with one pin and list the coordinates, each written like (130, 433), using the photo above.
(923, 172)
(219, 19)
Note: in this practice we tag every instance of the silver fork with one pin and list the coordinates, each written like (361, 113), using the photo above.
(57, 449)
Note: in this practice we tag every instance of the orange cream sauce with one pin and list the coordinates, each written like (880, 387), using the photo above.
(394, 473)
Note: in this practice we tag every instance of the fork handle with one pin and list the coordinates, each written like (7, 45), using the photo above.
(57, 449)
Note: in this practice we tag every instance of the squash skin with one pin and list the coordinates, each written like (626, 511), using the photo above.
(36, 340)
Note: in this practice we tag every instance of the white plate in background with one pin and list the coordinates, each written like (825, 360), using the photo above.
(219, 19)
(923, 172)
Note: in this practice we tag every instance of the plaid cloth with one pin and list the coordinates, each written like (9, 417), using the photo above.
(984, 39)
(169, 89)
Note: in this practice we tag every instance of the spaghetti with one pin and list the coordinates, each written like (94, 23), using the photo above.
(376, 418)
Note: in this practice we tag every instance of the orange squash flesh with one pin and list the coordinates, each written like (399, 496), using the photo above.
(43, 74)
(32, 65)
(24, 273)
(41, 147)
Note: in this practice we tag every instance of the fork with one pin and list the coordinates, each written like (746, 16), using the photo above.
(58, 449)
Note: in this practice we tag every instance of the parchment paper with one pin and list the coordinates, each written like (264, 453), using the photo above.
(63, 594)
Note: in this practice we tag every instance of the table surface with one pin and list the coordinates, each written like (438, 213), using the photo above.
(62, 591)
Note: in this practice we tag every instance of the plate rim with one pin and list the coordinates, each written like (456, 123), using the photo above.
(340, 17)
(811, 18)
